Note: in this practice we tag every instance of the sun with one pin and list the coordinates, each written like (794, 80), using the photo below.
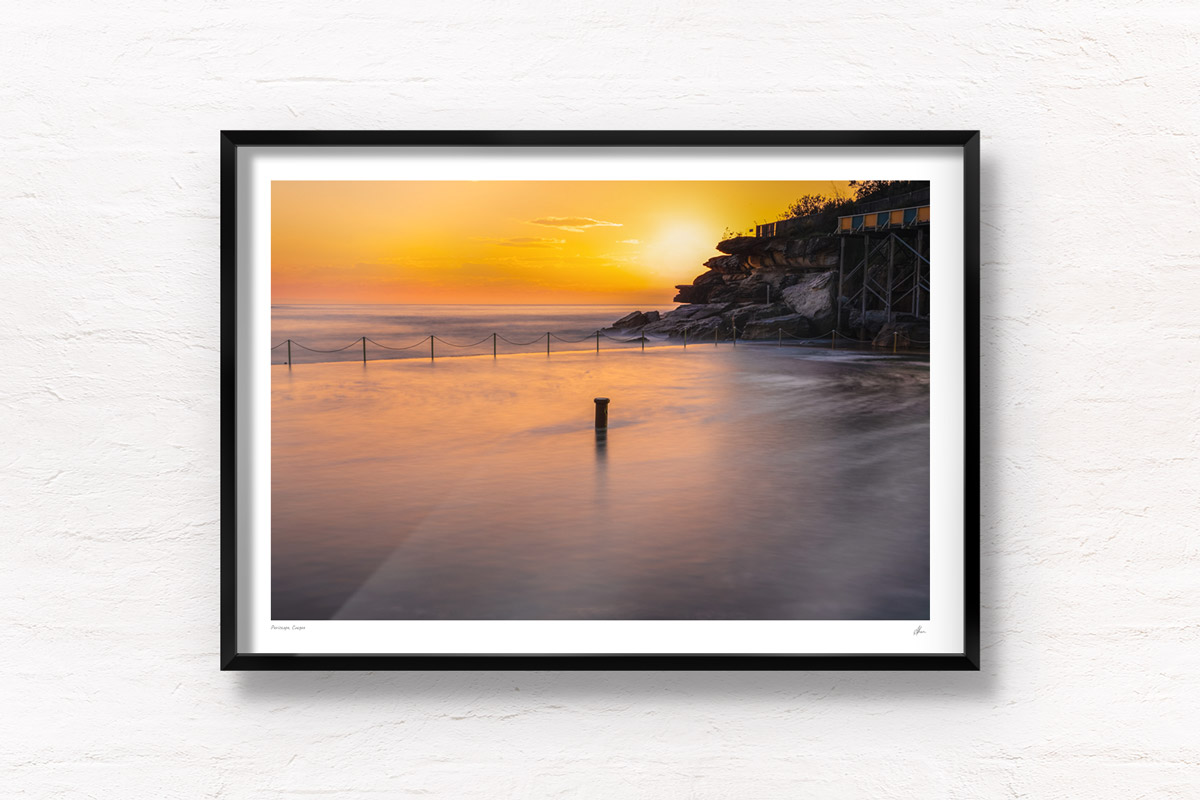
(679, 249)
(685, 235)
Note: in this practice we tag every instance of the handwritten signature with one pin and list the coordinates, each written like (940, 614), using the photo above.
(919, 630)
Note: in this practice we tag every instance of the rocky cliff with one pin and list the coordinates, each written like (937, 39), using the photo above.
(763, 284)
(768, 285)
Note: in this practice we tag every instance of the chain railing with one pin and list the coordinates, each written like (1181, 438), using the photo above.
(832, 336)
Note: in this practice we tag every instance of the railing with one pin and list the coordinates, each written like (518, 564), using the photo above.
(832, 335)
(783, 227)
(780, 228)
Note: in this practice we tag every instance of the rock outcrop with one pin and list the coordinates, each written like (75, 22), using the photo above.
(761, 285)
(634, 320)
(787, 325)
(768, 288)
(815, 297)
(754, 270)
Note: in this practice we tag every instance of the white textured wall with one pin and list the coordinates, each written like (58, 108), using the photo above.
(109, 329)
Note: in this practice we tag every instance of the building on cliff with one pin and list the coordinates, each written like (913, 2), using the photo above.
(863, 275)
(883, 265)
(887, 272)
(882, 259)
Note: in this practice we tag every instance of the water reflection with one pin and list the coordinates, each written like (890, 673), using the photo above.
(748, 484)
(601, 497)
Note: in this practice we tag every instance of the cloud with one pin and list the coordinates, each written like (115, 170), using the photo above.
(629, 241)
(573, 224)
(529, 241)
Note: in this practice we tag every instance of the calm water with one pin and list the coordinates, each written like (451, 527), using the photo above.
(326, 327)
(747, 483)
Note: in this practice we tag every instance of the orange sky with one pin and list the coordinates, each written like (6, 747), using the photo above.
(508, 241)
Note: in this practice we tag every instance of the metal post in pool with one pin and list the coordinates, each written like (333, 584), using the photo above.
(289, 352)
(547, 342)
(364, 349)
(601, 424)
(601, 414)
(493, 345)
(431, 347)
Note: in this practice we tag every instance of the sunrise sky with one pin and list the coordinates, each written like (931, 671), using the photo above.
(609, 242)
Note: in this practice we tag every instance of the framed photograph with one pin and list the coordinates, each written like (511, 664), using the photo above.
(600, 400)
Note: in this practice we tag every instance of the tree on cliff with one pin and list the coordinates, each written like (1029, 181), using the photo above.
(813, 213)
(874, 190)
(821, 209)
(808, 204)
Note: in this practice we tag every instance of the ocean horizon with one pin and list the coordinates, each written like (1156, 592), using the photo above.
(465, 329)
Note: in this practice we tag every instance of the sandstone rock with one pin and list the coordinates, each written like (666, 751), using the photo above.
(813, 296)
(634, 319)
(872, 323)
(722, 294)
(726, 264)
(702, 330)
(761, 311)
(752, 289)
(814, 250)
(739, 245)
(673, 322)
(701, 289)
(792, 325)
(767, 260)
(755, 271)
(699, 311)
(691, 293)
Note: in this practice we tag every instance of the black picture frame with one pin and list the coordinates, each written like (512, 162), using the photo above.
(232, 140)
